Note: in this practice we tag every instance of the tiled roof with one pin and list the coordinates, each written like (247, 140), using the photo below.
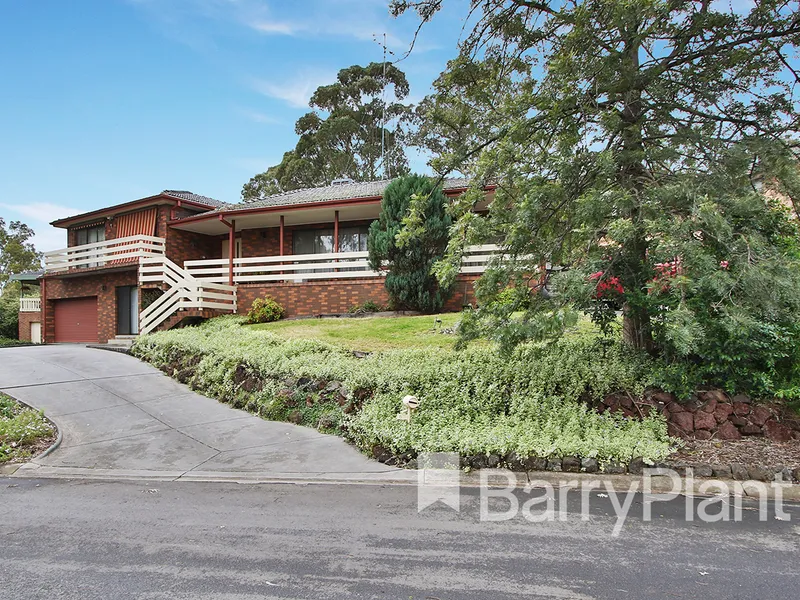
(185, 195)
(338, 191)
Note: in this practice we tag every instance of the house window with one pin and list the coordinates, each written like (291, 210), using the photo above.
(320, 241)
(90, 235)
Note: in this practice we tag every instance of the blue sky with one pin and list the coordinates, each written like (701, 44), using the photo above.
(106, 101)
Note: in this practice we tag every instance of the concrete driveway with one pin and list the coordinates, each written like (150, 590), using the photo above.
(120, 417)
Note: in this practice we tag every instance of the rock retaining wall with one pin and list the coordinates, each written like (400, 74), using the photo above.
(711, 415)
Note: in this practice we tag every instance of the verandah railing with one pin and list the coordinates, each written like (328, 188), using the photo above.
(307, 267)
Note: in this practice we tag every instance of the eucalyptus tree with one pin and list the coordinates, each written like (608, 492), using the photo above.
(353, 131)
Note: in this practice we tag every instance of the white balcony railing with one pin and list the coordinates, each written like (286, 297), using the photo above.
(102, 254)
(30, 304)
(307, 267)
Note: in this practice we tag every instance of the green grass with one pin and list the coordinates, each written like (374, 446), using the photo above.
(369, 334)
(22, 430)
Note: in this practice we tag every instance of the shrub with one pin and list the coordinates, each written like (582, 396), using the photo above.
(264, 310)
(369, 306)
(409, 281)
(534, 402)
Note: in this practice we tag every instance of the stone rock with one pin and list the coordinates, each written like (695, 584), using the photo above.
(759, 415)
(717, 395)
(662, 397)
(492, 461)
(777, 432)
(744, 398)
(636, 466)
(738, 421)
(710, 406)
(721, 471)
(675, 431)
(722, 412)
(759, 473)
(786, 475)
(514, 461)
(727, 431)
(702, 434)
(741, 409)
(739, 472)
(797, 474)
(380, 453)
(683, 420)
(750, 429)
(534, 463)
(702, 470)
(412, 464)
(704, 420)
(680, 468)
(626, 402)
(571, 464)
(589, 465)
(674, 407)
(615, 469)
(554, 464)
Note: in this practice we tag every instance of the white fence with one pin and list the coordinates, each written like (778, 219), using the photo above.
(185, 292)
(100, 254)
(305, 267)
(30, 304)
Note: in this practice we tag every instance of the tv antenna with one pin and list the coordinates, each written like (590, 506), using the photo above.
(387, 174)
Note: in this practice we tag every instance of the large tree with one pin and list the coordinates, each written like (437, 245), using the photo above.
(627, 140)
(343, 136)
(17, 254)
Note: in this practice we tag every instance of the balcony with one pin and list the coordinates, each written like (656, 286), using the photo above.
(30, 304)
(109, 253)
(308, 267)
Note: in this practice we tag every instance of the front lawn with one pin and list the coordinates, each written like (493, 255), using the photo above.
(371, 333)
(536, 402)
(23, 432)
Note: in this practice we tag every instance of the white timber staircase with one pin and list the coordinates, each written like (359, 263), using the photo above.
(184, 295)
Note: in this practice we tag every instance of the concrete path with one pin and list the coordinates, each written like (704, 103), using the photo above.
(120, 417)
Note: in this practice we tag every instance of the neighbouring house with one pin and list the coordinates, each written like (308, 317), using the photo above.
(178, 257)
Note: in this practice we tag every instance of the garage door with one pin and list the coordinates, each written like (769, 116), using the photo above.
(76, 320)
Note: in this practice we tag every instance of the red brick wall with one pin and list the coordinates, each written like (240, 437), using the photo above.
(25, 320)
(337, 296)
(90, 285)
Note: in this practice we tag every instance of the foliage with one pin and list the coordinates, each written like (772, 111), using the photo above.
(534, 403)
(19, 428)
(622, 136)
(346, 142)
(409, 281)
(17, 253)
(7, 342)
(368, 306)
(265, 310)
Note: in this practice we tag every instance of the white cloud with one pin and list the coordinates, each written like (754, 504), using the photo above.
(258, 117)
(38, 215)
(274, 27)
(295, 92)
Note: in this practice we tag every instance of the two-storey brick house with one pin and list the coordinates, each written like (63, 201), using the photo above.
(155, 262)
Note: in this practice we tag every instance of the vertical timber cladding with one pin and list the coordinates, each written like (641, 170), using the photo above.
(76, 320)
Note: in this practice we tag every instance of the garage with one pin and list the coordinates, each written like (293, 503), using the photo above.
(76, 319)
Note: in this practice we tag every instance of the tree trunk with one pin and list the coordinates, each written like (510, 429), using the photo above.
(636, 328)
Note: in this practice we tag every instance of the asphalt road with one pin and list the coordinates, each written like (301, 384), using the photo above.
(193, 540)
